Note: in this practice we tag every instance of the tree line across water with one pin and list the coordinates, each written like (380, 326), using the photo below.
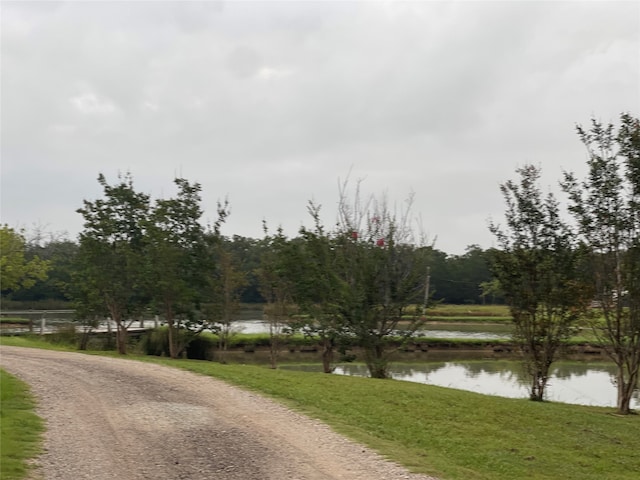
(464, 279)
(372, 275)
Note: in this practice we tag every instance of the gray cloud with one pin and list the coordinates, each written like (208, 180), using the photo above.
(271, 102)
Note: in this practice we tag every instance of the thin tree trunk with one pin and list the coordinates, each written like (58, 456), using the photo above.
(173, 340)
(274, 345)
(626, 387)
(537, 388)
(172, 343)
(224, 342)
(84, 339)
(121, 337)
(376, 361)
(327, 355)
(121, 329)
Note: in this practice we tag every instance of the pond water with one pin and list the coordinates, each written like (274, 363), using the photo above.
(479, 332)
(572, 382)
(250, 323)
(586, 383)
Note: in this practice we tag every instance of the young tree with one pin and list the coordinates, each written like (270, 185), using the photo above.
(111, 256)
(538, 272)
(276, 287)
(318, 287)
(606, 206)
(16, 271)
(177, 263)
(382, 267)
(227, 284)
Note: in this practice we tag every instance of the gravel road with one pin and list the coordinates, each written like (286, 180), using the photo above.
(110, 418)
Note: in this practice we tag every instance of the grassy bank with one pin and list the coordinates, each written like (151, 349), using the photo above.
(15, 320)
(454, 434)
(449, 433)
(470, 319)
(446, 310)
(20, 428)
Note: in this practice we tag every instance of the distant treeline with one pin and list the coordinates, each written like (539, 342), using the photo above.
(455, 279)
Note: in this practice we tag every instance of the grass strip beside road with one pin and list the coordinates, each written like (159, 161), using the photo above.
(451, 434)
(20, 428)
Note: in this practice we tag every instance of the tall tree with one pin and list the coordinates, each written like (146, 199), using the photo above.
(247, 253)
(538, 271)
(318, 287)
(606, 206)
(442, 284)
(177, 263)
(466, 273)
(277, 287)
(16, 271)
(111, 256)
(60, 253)
(226, 284)
(382, 266)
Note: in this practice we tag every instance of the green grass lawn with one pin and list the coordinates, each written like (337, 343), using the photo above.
(448, 433)
(451, 433)
(20, 428)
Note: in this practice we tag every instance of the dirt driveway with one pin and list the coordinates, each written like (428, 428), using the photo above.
(119, 419)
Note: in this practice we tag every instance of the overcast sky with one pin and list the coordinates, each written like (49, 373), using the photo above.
(271, 103)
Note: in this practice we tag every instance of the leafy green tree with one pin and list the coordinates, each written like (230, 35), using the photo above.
(467, 272)
(277, 287)
(491, 288)
(457, 279)
(227, 284)
(177, 263)
(60, 253)
(606, 206)
(16, 272)
(247, 253)
(111, 265)
(538, 271)
(442, 285)
(318, 288)
(382, 267)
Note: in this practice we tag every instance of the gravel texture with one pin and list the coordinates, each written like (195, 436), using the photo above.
(110, 418)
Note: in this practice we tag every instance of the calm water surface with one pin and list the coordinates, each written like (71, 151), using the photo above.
(572, 382)
(478, 332)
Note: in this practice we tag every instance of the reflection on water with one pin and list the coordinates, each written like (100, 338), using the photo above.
(461, 334)
(578, 383)
(478, 333)
(251, 323)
